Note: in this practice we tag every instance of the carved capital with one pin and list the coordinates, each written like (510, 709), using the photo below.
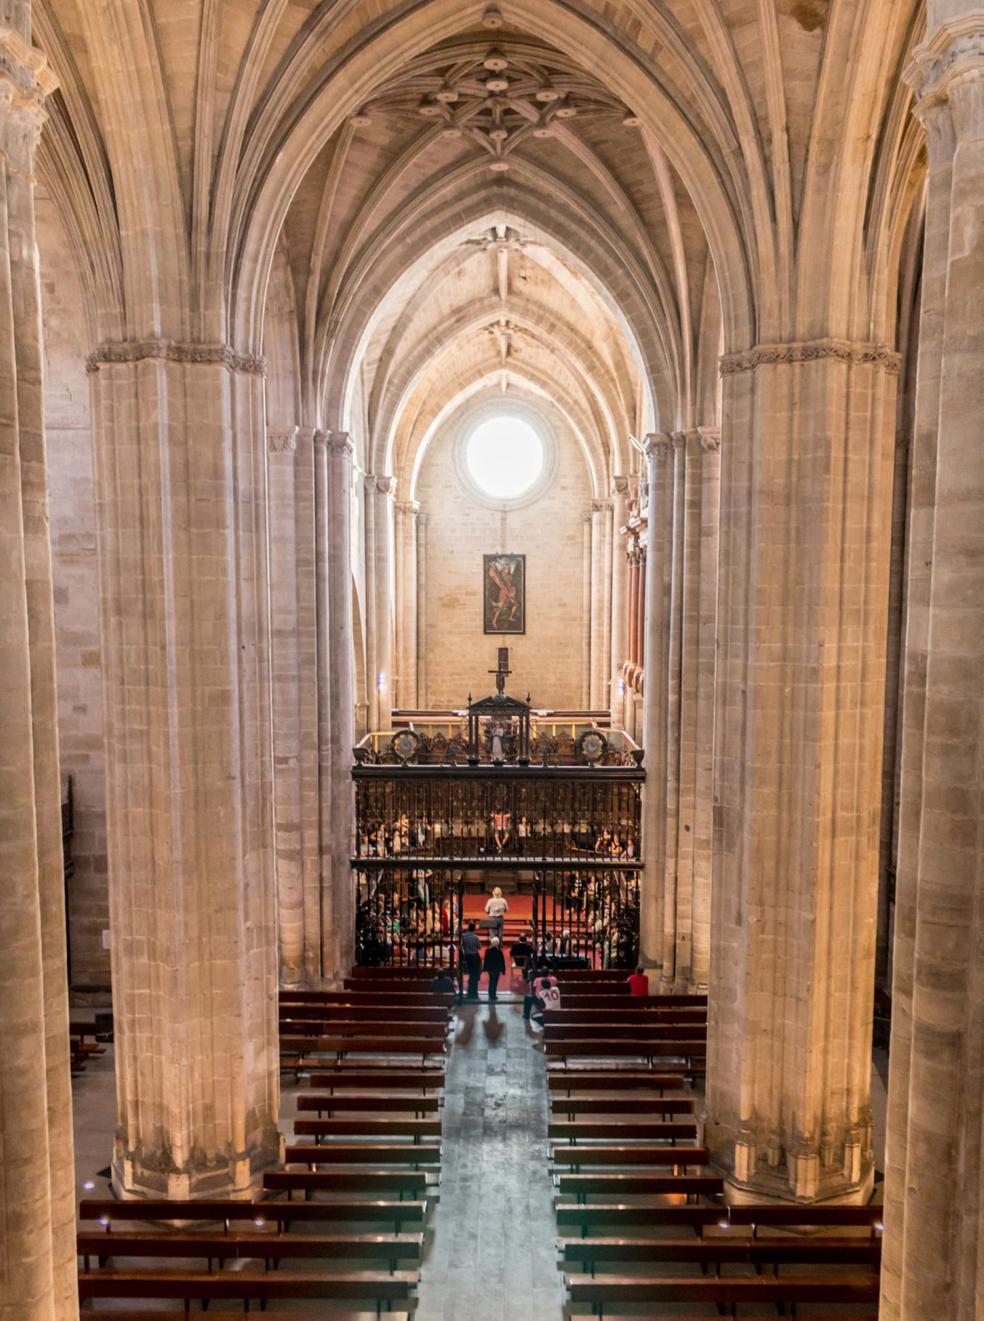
(168, 350)
(410, 507)
(600, 506)
(656, 445)
(380, 483)
(621, 485)
(25, 81)
(853, 352)
(282, 440)
(710, 439)
(340, 444)
(953, 55)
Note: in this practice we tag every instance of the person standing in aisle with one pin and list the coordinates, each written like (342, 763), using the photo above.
(471, 959)
(497, 908)
(495, 965)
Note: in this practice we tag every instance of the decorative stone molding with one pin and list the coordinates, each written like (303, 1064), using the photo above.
(169, 350)
(955, 50)
(339, 443)
(381, 484)
(854, 352)
(25, 81)
(411, 507)
(621, 485)
(656, 444)
(600, 506)
(710, 439)
(282, 440)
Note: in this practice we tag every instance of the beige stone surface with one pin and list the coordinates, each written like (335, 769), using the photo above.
(301, 240)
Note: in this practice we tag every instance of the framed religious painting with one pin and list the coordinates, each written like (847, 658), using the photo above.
(504, 593)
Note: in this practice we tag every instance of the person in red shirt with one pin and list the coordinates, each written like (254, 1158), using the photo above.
(639, 982)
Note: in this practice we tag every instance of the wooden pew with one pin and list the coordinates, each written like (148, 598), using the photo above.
(374, 1181)
(393, 1313)
(363, 1013)
(639, 1154)
(631, 1032)
(393, 987)
(784, 1290)
(369, 1103)
(599, 1048)
(615, 1080)
(296, 1050)
(270, 1247)
(639, 1185)
(375, 998)
(262, 1286)
(610, 1001)
(407, 1077)
(621, 1105)
(405, 1126)
(622, 1216)
(376, 1154)
(379, 1031)
(110, 1212)
(619, 1130)
(724, 1249)
(602, 1019)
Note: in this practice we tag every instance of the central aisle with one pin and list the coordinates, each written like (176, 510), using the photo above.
(494, 1236)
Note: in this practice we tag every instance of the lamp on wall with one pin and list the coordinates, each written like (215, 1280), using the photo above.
(381, 682)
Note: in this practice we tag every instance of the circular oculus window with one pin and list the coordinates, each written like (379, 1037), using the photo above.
(505, 456)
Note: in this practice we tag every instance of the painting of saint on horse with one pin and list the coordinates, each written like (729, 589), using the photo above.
(505, 593)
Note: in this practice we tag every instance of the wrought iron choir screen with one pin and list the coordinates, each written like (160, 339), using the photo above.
(568, 834)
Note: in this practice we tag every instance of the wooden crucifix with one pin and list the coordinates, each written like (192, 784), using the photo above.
(502, 671)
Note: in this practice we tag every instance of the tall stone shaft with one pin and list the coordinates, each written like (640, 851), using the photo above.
(933, 1259)
(37, 1193)
(181, 503)
(806, 482)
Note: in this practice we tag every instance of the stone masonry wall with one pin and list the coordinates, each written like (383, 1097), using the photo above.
(548, 660)
(76, 590)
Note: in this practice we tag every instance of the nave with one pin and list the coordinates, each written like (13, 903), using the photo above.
(567, 1166)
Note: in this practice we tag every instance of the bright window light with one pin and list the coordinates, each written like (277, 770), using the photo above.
(504, 455)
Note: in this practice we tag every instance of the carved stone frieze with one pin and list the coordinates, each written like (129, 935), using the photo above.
(282, 440)
(854, 352)
(169, 350)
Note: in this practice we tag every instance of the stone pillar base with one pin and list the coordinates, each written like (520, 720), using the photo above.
(239, 1177)
(754, 1175)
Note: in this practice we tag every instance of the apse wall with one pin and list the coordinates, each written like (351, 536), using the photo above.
(550, 660)
(72, 513)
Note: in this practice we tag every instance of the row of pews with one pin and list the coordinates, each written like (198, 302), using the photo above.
(340, 1225)
(640, 1213)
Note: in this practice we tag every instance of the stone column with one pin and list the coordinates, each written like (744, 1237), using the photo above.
(407, 512)
(673, 533)
(599, 665)
(639, 559)
(37, 1193)
(933, 1264)
(379, 577)
(287, 537)
(805, 513)
(606, 543)
(704, 660)
(180, 446)
(620, 583)
(659, 466)
(586, 609)
(420, 596)
(339, 910)
(632, 605)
